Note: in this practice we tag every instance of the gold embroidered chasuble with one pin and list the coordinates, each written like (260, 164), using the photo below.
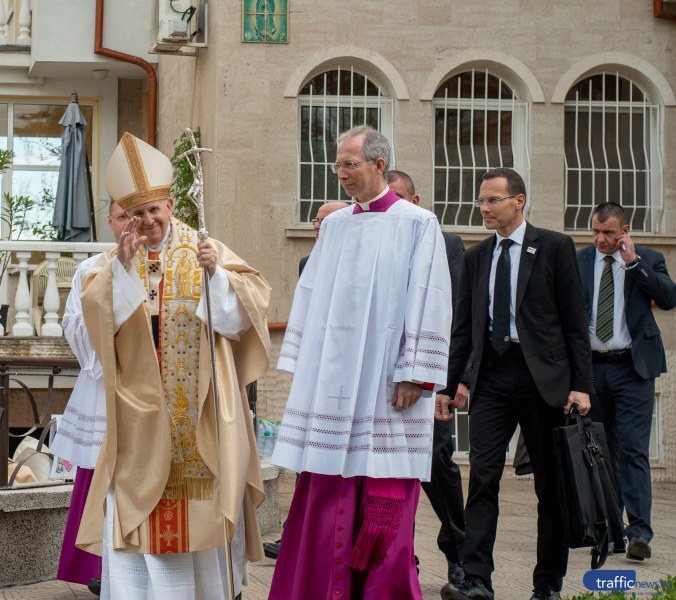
(160, 449)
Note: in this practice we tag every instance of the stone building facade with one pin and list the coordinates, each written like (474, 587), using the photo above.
(580, 97)
(455, 85)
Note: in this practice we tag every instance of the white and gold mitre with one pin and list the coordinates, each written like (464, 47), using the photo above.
(137, 173)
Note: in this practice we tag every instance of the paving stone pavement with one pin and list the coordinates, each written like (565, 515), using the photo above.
(514, 551)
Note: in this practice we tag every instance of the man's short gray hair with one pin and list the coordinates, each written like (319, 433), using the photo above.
(376, 145)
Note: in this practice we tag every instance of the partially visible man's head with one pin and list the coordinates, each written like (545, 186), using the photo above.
(609, 222)
(117, 219)
(138, 177)
(362, 160)
(402, 185)
(324, 211)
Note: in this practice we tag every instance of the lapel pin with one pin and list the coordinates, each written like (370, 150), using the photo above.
(531, 250)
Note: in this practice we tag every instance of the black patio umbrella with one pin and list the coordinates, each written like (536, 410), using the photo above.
(74, 202)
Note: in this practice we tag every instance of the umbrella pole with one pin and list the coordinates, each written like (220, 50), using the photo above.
(92, 212)
(195, 193)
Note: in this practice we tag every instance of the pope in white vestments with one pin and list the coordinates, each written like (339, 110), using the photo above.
(167, 483)
(367, 341)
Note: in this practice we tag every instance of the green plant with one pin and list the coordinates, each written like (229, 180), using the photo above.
(184, 209)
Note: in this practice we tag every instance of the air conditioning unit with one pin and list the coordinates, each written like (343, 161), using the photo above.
(181, 25)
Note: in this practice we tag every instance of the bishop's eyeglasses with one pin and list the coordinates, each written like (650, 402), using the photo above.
(348, 166)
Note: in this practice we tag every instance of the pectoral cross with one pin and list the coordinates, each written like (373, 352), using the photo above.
(340, 397)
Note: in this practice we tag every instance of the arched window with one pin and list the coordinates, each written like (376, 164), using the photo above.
(330, 104)
(611, 151)
(479, 124)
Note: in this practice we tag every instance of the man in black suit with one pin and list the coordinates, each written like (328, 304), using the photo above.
(444, 489)
(522, 318)
(627, 355)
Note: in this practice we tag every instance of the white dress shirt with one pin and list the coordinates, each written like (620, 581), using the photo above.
(514, 257)
(621, 339)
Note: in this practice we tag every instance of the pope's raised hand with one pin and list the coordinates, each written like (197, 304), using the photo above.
(129, 243)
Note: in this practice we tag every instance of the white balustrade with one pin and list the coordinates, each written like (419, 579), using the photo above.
(24, 38)
(52, 302)
(3, 23)
(22, 302)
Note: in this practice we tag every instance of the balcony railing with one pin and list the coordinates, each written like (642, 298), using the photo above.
(15, 23)
(16, 286)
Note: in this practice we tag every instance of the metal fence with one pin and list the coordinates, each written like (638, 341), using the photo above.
(13, 370)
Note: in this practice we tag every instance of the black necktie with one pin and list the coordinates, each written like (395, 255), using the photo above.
(502, 295)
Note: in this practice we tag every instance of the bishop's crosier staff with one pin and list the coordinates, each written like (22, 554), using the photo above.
(196, 194)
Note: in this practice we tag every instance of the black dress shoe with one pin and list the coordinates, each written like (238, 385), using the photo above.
(94, 586)
(456, 574)
(638, 549)
(545, 594)
(469, 589)
(271, 549)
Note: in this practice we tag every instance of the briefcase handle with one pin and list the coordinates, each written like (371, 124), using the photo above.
(584, 426)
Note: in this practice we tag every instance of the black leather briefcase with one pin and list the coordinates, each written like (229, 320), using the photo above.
(590, 508)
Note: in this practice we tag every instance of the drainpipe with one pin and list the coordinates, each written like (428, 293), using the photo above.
(144, 64)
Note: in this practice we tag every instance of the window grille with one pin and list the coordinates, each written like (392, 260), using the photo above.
(611, 151)
(461, 433)
(656, 430)
(479, 124)
(330, 104)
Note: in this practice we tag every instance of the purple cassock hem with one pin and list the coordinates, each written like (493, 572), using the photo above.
(326, 513)
(75, 565)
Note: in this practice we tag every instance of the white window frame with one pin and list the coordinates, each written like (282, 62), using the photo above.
(656, 430)
(8, 176)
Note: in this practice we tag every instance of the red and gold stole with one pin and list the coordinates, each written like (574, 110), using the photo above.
(173, 279)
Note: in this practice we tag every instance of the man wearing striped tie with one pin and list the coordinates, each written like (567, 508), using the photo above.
(621, 281)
